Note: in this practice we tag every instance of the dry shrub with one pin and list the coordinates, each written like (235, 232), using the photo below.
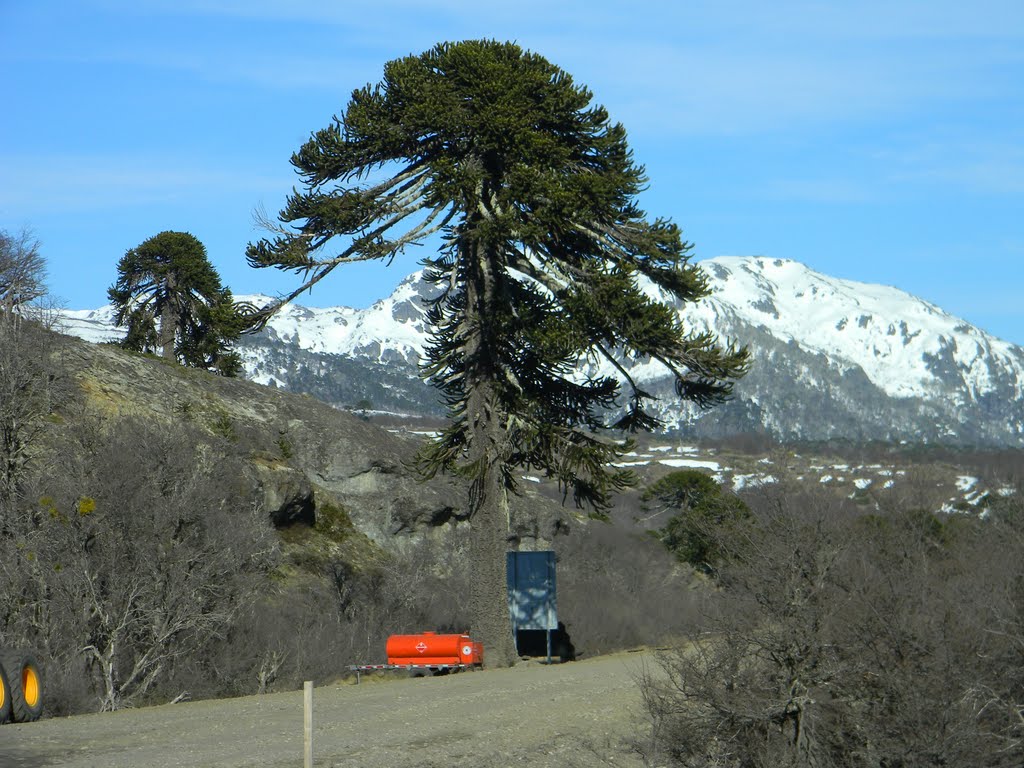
(119, 577)
(315, 626)
(619, 588)
(841, 639)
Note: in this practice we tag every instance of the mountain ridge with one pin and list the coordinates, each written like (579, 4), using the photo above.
(832, 358)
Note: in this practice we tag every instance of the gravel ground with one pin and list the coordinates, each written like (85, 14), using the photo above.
(585, 713)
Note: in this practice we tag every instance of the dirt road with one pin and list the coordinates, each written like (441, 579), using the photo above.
(579, 714)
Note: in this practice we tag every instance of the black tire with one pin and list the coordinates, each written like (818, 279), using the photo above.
(24, 684)
(5, 697)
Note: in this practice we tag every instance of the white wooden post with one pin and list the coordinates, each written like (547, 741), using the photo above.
(308, 722)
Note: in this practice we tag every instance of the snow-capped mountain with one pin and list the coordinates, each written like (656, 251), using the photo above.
(832, 358)
(905, 346)
(837, 358)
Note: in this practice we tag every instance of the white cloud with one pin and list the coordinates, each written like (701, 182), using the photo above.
(670, 69)
(822, 190)
(976, 166)
(33, 185)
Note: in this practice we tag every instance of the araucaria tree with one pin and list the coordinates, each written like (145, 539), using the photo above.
(546, 264)
(701, 514)
(170, 297)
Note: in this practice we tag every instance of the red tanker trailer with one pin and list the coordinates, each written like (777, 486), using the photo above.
(430, 649)
(428, 652)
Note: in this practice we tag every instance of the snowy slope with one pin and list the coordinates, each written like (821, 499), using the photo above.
(95, 325)
(392, 329)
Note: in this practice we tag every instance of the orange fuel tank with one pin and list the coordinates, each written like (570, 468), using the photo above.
(430, 649)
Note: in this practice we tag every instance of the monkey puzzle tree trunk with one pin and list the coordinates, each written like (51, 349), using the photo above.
(488, 454)
(490, 622)
(168, 320)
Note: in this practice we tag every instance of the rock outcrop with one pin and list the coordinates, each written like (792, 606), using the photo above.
(304, 461)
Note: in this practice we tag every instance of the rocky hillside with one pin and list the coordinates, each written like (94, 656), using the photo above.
(315, 468)
(303, 458)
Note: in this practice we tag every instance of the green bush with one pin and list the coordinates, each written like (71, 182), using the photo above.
(706, 516)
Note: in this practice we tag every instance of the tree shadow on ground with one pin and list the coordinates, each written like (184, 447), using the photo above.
(533, 643)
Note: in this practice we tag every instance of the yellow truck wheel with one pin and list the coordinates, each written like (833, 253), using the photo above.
(5, 697)
(24, 685)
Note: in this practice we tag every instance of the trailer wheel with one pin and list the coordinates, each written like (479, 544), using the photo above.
(5, 697)
(24, 685)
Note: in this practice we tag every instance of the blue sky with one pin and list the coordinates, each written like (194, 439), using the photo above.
(876, 141)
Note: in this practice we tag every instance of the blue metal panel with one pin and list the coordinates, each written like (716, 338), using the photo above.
(531, 590)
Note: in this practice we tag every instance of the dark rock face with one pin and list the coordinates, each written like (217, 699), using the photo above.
(286, 494)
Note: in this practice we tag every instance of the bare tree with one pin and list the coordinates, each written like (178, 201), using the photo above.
(124, 575)
(29, 380)
(33, 383)
(22, 270)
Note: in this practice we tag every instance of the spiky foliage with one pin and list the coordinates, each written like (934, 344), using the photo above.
(170, 297)
(702, 514)
(546, 262)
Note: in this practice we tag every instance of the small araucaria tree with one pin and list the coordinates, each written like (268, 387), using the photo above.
(170, 297)
(701, 516)
(546, 263)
